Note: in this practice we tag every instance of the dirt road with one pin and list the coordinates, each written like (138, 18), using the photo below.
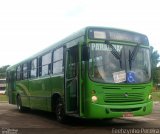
(39, 122)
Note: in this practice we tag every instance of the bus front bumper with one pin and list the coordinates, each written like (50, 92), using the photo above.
(97, 111)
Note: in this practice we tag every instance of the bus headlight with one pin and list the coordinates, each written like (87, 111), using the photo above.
(94, 98)
(149, 96)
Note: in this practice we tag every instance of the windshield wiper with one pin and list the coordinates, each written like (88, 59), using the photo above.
(133, 54)
(115, 52)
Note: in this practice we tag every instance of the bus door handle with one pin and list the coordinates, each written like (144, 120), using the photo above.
(71, 80)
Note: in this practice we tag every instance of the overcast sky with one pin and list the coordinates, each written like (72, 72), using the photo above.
(28, 26)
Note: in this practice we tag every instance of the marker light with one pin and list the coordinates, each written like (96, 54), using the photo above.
(150, 96)
(94, 98)
(93, 92)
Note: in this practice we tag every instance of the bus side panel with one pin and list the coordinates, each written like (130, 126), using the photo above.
(23, 90)
(37, 90)
(57, 83)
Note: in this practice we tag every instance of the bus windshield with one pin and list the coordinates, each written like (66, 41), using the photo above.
(111, 63)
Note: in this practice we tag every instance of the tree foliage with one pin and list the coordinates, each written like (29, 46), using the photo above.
(155, 59)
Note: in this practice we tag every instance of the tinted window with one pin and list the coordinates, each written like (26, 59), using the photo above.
(33, 68)
(58, 54)
(19, 72)
(25, 71)
(58, 67)
(46, 64)
(58, 61)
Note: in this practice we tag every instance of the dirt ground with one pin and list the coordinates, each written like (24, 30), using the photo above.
(39, 122)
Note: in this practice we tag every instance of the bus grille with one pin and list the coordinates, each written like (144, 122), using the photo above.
(123, 97)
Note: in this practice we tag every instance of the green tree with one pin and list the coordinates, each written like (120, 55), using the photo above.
(155, 59)
(158, 72)
(3, 71)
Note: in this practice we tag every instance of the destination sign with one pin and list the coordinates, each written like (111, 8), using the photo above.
(105, 47)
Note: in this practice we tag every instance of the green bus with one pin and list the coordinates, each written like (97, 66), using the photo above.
(95, 73)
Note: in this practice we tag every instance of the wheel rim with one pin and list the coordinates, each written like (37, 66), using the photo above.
(60, 112)
(19, 108)
(18, 103)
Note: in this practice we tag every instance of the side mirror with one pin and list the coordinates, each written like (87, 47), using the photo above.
(85, 53)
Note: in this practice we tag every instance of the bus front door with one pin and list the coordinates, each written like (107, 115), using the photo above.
(71, 80)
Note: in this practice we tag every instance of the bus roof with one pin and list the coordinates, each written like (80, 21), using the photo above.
(60, 43)
(54, 46)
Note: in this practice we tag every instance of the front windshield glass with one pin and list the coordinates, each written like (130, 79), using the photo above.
(106, 67)
(139, 67)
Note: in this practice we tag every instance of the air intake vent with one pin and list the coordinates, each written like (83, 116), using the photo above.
(123, 97)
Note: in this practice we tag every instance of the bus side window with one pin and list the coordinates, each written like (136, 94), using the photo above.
(24, 71)
(18, 73)
(34, 68)
(58, 61)
(29, 69)
(40, 66)
(46, 63)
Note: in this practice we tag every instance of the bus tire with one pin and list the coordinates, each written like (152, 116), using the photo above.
(60, 113)
(19, 104)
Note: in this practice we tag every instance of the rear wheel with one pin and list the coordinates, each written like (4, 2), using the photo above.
(60, 112)
(19, 104)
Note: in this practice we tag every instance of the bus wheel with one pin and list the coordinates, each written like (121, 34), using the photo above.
(60, 114)
(19, 104)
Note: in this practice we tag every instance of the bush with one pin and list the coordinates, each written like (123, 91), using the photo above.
(156, 96)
